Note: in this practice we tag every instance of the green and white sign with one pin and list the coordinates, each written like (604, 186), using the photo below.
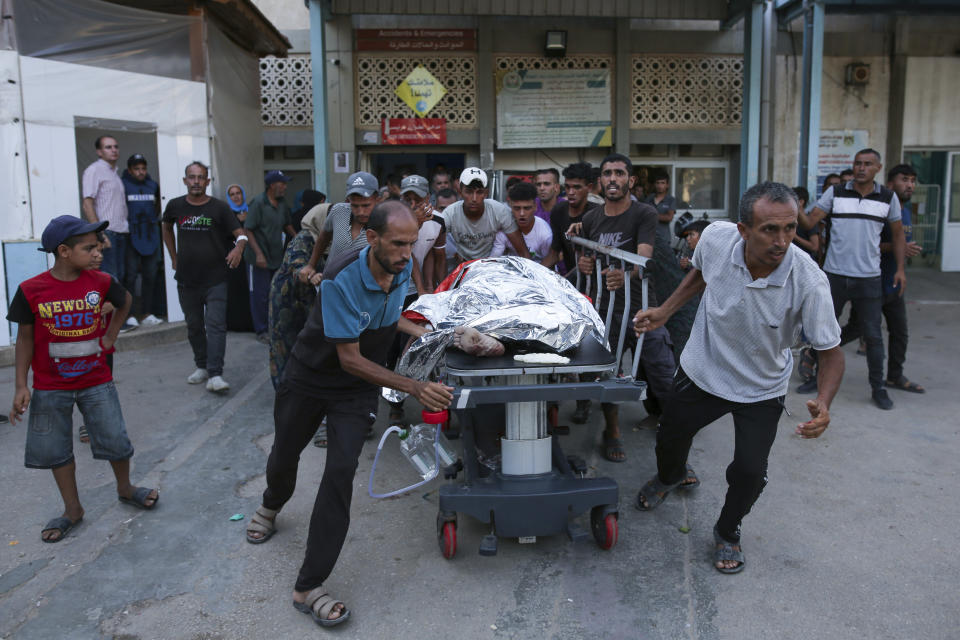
(553, 108)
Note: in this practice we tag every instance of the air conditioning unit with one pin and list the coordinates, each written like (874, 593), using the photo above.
(858, 73)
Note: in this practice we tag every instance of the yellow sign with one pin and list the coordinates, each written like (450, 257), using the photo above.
(421, 91)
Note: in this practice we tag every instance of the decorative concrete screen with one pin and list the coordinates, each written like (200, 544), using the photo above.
(286, 95)
(686, 92)
(377, 77)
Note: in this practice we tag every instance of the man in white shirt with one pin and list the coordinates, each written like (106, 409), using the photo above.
(759, 291)
(474, 221)
(537, 234)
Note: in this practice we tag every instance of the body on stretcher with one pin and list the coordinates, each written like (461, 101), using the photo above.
(536, 490)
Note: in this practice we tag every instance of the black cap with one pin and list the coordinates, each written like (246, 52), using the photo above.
(136, 158)
(67, 226)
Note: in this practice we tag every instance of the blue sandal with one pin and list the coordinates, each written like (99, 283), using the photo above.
(139, 498)
(724, 551)
(653, 493)
(61, 524)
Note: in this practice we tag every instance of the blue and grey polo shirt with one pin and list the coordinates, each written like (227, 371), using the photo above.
(351, 307)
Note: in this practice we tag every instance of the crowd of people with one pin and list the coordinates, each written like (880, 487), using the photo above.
(327, 283)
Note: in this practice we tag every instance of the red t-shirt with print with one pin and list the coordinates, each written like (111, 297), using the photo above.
(64, 312)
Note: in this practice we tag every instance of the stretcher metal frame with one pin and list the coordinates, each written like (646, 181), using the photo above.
(537, 490)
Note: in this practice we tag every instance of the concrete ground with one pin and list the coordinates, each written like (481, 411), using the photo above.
(853, 536)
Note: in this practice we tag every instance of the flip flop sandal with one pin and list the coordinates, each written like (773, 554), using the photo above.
(612, 447)
(725, 552)
(319, 604)
(61, 524)
(320, 439)
(139, 498)
(654, 492)
(691, 481)
(84, 436)
(905, 385)
(263, 522)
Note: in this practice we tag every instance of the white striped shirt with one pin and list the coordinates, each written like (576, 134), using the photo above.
(855, 225)
(739, 347)
(104, 186)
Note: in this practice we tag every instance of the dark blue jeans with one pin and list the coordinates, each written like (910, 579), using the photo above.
(147, 267)
(205, 310)
(115, 258)
(260, 280)
(864, 295)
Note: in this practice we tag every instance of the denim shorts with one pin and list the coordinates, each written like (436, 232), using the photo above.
(50, 426)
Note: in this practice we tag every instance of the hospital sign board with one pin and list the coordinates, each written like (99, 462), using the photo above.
(413, 131)
(539, 108)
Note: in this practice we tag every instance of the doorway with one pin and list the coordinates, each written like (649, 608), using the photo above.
(384, 165)
(132, 137)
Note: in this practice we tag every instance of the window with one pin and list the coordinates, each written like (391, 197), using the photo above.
(701, 187)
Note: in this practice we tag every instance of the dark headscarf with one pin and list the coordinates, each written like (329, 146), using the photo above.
(310, 199)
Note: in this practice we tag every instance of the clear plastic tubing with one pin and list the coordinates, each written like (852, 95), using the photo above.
(436, 464)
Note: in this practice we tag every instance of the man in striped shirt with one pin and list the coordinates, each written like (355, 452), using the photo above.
(759, 292)
(857, 211)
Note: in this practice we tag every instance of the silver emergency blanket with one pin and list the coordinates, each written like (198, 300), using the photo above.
(512, 299)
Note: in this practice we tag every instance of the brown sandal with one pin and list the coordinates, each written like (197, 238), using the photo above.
(319, 604)
(264, 523)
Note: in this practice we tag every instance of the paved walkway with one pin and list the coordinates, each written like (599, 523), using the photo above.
(855, 535)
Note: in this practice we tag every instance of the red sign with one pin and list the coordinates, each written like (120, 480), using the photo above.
(413, 131)
(413, 40)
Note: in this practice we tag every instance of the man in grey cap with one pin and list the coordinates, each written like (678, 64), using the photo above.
(430, 261)
(344, 228)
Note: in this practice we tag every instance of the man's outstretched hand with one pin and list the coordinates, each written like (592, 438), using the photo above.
(820, 419)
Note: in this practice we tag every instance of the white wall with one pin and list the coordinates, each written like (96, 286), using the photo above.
(55, 92)
(841, 107)
(930, 117)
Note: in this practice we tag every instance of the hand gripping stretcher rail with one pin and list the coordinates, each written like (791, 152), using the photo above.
(537, 490)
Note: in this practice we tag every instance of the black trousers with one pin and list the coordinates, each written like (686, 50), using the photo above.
(865, 299)
(689, 409)
(297, 416)
(894, 311)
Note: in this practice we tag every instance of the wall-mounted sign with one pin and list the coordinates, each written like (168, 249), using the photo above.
(837, 148)
(421, 91)
(553, 108)
(414, 131)
(412, 40)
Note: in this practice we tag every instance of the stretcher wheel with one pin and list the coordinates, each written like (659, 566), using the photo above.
(447, 539)
(604, 527)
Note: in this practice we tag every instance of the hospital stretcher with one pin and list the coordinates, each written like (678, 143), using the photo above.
(537, 490)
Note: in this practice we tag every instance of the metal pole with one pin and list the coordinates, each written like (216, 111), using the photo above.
(810, 98)
(318, 62)
(752, 67)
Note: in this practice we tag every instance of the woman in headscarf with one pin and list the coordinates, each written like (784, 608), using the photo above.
(238, 291)
(290, 299)
(308, 199)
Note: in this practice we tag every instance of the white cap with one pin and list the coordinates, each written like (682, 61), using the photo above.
(472, 174)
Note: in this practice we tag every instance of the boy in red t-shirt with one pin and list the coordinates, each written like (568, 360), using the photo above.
(61, 336)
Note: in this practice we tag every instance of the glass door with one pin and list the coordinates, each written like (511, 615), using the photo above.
(951, 221)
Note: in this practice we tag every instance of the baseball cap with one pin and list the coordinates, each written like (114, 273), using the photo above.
(66, 226)
(417, 184)
(136, 158)
(276, 176)
(362, 184)
(473, 174)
